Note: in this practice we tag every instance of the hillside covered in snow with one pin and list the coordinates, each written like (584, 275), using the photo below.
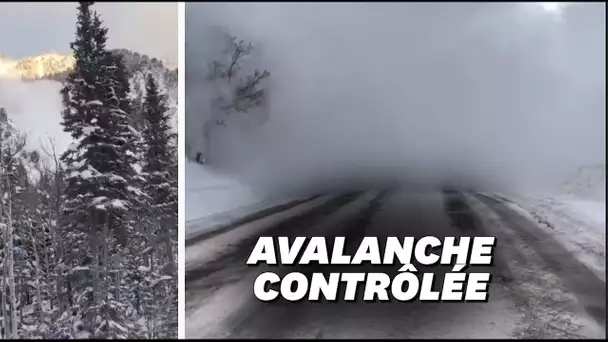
(36, 67)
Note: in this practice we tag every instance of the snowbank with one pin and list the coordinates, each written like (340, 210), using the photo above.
(209, 192)
(592, 210)
(582, 232)
(575, 215)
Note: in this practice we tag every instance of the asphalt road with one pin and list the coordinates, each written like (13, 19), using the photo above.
(538, 290)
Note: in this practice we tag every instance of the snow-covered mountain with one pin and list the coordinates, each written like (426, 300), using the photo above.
(29, 91)
(35, 67)
(55, 66)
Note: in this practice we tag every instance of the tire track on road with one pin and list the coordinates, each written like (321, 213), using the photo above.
(213, 279)
(264, 316)
(464, 218)
(224, 228)
(235, 260)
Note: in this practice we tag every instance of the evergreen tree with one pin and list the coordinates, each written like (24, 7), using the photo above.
(82, 107)
(160, 168)
(121, 75)
(99, 178)
(159, 154)
(79, 90)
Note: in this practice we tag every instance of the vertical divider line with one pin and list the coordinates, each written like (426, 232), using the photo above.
(181, 156)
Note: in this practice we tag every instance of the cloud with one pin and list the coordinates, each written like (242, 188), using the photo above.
(497, 95)
(33, 28)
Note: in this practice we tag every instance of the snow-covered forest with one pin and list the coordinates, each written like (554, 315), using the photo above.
(89, 234)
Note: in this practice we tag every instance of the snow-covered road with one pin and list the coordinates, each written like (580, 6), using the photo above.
(540, 289)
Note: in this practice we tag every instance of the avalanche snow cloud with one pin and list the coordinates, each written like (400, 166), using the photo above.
(491, 95)
(35, 109)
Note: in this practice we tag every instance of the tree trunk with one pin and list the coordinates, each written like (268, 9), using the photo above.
(106, 259)
(62, 302)
(166, 227)
(11, 267)
(47, 267)
(207, 140)
(37, 270)
(94, 245)
(212, 123)
(5, 318)
(24, 297)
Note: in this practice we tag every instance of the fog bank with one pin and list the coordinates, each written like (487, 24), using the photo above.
(498, 96)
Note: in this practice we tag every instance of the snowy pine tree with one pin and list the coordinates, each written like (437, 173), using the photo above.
(160, 170)
(100, 179)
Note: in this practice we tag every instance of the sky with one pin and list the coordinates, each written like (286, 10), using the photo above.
(28, 28)
(502, 95)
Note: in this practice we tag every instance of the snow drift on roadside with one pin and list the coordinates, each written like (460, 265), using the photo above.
(209, 192)
(575, 215)
(578, 225)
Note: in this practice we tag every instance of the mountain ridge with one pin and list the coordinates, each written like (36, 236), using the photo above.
(50, 65)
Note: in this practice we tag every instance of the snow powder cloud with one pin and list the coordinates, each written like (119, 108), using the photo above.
(495, 95)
